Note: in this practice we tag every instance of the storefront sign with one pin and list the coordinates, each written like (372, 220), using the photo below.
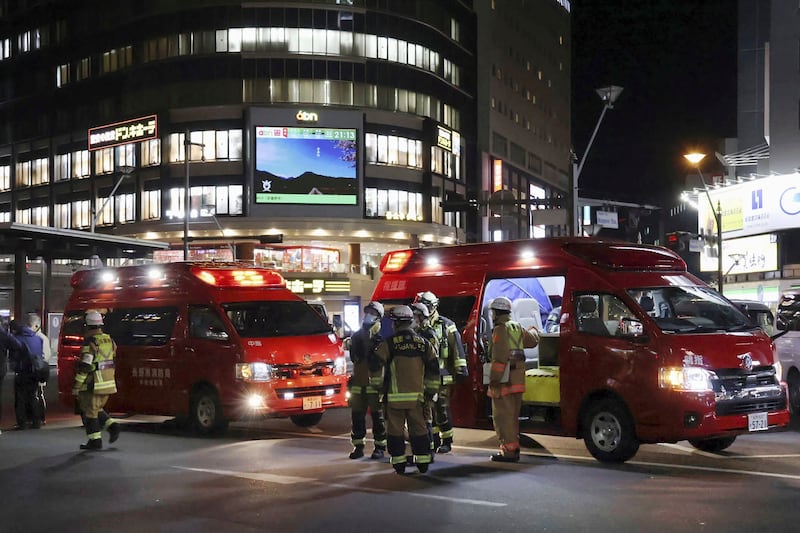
(305, 116)
(444, 138)
(318, 286)
(745, 255)
(129, 131)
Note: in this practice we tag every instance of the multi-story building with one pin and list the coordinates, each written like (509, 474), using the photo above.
(523, 115)
(313, 136)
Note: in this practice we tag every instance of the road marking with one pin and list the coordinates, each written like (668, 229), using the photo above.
(713, 469)
(293, 480)
(257, 476)
(690, 450)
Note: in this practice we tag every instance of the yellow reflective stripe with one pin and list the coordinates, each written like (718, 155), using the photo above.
(397, 459)
(422, 459)
(404, 396)
(460, 362)
(447, 380)
(432, 383)
(95, 435)
(80, 378)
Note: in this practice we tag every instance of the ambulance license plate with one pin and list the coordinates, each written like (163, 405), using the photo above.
(315, 402)
(757, 422)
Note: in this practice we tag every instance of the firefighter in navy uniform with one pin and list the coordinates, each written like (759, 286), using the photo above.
(452, 366)
(409, 374)
(364, 396)
(94, 382)
(423, 327)
(506, 349)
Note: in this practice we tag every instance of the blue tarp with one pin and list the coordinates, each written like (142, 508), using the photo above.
(519, 288)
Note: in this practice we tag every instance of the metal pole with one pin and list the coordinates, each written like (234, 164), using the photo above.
(577, 230)
(96, 212)
(186, 147)
(718, 220)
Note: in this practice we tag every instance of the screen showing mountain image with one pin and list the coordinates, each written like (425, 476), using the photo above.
(306, 166)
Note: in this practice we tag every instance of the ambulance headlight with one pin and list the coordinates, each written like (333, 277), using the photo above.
(339, 366)
(253, 371)
(686, 378)
(778, 370)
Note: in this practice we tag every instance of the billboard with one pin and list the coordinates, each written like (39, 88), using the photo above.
(306, 165)
(128, 131)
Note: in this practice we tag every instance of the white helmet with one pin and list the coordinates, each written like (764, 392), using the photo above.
(376, 307)
(93, 318)
(501, 303)
(401, 313)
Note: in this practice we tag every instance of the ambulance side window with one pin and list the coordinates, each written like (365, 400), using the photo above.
(600, 314)
(204, 323)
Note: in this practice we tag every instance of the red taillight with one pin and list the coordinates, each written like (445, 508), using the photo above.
(396, 261)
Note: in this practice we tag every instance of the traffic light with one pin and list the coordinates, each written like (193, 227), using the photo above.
(678, 240)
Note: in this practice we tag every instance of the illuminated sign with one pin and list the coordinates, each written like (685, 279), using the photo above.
(318, 286)
(444, 138)
(744, 255)
(306, 165)
(128, 131)
(305, 116)
(497, 175)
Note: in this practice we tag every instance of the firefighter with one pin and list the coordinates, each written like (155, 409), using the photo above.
(506, 350)
(452, 365)
(364, 396)
(409, 373)
(423, 327)
(94, 382)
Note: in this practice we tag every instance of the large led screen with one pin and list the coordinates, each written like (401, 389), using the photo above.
(306, 166)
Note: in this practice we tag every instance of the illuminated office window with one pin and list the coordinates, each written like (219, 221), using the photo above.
(40, 171)
(5, 177)
(104, 161)
(23, 174)
(61, 214)
(80, 164)
(151, 205)
(151, 152)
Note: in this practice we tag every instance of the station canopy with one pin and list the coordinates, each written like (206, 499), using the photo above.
(58, 243)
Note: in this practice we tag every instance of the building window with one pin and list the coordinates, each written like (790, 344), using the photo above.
(37, 216)
(61, 167)
(125, 155)
(392, 204)
(125, 208)
(5, 177)
(83, 69)
(392, 150)
(151, 205)
(23, 174)
(62, 216)
(104, 161)
(209, 145)
(80, 164)
(81, 214)
(455, 30)
(499, 144)
(62, 75)
(116, 59)
(151, 152)
(5, 48)
(222, 199)
(40, 171)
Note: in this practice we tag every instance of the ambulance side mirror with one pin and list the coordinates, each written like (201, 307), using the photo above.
(632, 329)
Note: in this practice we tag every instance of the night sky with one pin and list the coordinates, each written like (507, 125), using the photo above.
(676, 60)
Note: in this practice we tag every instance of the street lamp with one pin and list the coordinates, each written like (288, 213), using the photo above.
(608, 95)
(211, 211)
(694, 158)
(126, 171)
(187, 145)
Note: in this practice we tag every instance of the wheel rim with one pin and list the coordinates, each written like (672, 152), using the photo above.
(606, 431)
(206, 411)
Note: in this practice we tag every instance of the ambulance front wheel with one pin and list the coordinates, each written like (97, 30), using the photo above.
(609, 432)
(206, 412)
(305, 421)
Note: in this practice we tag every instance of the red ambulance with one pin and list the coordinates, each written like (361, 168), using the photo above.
(634, 349)
(211, 341)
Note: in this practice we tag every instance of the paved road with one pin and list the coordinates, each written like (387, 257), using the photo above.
(273, 476)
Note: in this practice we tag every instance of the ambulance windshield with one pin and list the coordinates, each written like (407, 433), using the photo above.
(275, 319)
(690, 309)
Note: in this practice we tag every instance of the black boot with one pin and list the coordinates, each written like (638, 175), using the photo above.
(446, 447)
(93, 444)
(499, 457)
(378, 453)
(358, 452)
(113, 432)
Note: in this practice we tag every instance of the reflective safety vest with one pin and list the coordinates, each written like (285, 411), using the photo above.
(516, 354)
(96, 367)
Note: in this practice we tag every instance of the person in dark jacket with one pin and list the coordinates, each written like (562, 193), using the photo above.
(4, 347)
(25, 346)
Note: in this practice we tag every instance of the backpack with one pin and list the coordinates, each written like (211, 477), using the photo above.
(39, 368)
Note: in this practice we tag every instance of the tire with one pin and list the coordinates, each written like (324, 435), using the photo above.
(205, 412)
(609, 432)
(714, 445)
(793, 384)
(305, 421)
